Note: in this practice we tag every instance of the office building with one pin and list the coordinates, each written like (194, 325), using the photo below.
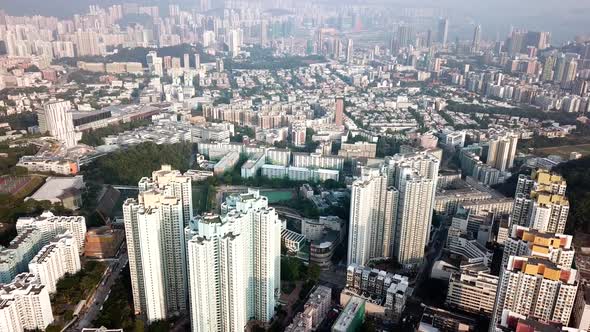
(56, 119)
(246, 237)
(51, 225)
(537, 288)
(56, 259)
(31, 299)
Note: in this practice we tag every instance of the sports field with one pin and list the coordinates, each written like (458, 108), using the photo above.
(565, 151)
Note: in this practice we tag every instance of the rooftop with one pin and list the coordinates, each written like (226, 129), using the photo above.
(58, 187)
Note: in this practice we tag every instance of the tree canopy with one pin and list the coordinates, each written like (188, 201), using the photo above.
(128, 166)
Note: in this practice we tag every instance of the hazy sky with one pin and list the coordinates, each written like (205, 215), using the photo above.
(564, 18)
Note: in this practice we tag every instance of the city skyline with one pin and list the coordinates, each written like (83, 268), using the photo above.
(299, 166)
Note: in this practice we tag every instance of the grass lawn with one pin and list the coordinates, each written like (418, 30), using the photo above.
(565, 151)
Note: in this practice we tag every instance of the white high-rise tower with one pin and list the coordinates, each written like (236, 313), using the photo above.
(234, 264)
(391, 210)
(168, 197)
(55, 118)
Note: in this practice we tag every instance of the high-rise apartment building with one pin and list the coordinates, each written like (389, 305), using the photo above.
(443, 31)
(339, 112)
(536, 288)
(234, 42)
(349, 51)
(51, 225)
(523, 241)
(414, 214)
(30, 300)
(540, 202)
(234, 264)
(87, 44)
(569, 74)
(218, 282)
(475, 43)
(55, 118)
(15, 258)
(155, 64)
(501, 151)
(130, 217)
(391, 209)
(164, 206)
(150, 224)
(373, 211)
(186, 61)
(56, 259)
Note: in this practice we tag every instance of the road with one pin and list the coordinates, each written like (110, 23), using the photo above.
(94, 304)
(433, 253)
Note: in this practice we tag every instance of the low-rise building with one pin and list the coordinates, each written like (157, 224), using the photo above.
(358, 150)
(299, 173)
(49, 165)
(198, 175)
(252, 165)
(314, 311)
(472, 291)
(352, 317)
(317, 160)
(65, 191)
(482, 207)
(435, 319)
(103, 242)
(386, 294)
(227, 163)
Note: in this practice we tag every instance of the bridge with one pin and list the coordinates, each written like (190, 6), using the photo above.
(124, 187)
